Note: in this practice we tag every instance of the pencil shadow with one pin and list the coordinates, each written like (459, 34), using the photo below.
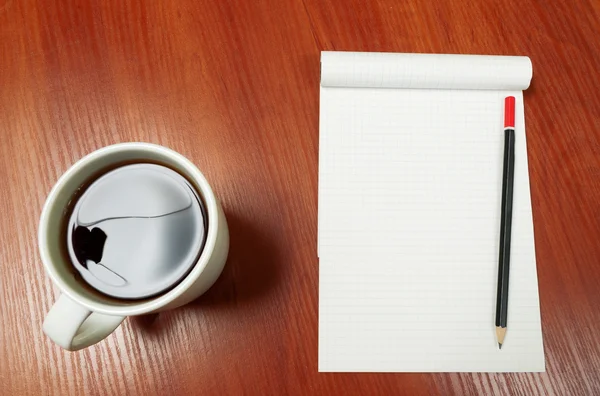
(250, 273)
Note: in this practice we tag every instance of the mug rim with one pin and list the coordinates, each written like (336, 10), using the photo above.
(152, 303)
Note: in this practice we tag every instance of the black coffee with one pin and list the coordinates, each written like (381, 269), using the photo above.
(136, 231)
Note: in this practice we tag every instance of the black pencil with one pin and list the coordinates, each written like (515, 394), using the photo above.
(508, 176)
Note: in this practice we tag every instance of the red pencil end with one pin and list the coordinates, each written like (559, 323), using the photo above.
(509, 112)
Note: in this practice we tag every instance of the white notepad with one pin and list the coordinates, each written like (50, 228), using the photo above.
(410, 167)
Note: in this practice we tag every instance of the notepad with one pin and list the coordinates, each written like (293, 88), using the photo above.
(410, 167)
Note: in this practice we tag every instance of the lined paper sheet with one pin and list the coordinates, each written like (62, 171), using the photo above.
(409, 217)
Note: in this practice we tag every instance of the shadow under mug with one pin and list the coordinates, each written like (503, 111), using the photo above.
(80, 317)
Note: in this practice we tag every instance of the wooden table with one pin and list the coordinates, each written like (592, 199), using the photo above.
(234, 86)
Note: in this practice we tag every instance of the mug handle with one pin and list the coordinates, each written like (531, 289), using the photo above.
(75, 327)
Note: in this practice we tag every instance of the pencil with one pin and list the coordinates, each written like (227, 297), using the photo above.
(508, 176)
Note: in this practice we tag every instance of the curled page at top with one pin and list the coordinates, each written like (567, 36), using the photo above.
(424, 71)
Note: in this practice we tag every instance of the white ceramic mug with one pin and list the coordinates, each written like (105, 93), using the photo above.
(80, 318)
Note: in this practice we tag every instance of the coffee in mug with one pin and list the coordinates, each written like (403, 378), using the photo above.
(135, 231)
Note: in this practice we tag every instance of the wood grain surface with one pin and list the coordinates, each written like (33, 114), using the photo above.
(234, 86)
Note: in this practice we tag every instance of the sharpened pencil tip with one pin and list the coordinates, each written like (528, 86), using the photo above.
(500, 333)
